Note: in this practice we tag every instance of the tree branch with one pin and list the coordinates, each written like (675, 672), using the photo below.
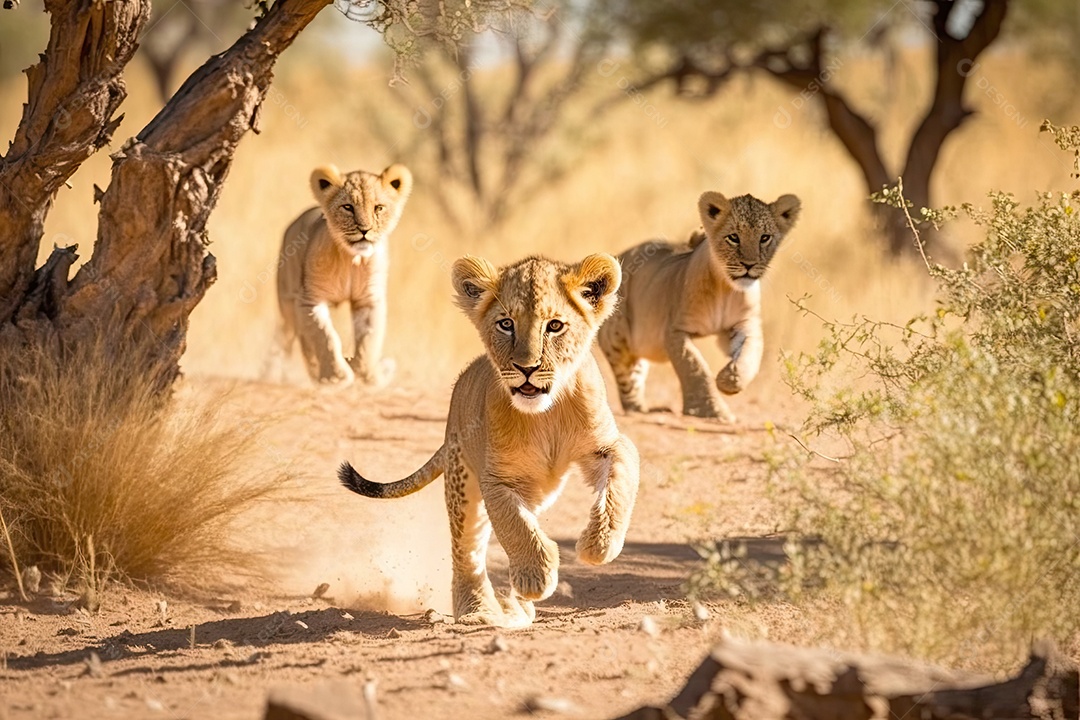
(151, 244)
(73, 94)
(955, 58)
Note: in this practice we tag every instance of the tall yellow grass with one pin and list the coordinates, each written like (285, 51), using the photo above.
(635, 175)
(102, 478)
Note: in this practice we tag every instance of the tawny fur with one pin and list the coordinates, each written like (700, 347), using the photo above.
(507, 452)
(673, 293)
(339, 252)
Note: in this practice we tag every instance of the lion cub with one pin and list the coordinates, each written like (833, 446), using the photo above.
(519, 417)
(672, 293)
(339, 252)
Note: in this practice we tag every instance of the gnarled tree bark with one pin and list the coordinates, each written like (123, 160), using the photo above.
(150, 264)
(803, 66)
(741, 680)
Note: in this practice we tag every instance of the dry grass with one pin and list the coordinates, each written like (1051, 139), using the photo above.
(102, 479)
(630, 179)
(157, 496)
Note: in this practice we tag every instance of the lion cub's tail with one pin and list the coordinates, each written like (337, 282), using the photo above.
(432, 469)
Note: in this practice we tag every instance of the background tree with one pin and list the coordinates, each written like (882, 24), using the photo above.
(150, 265)
(180, 30)
(487, 129)
(704, 42)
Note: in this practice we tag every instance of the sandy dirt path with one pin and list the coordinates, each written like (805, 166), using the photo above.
(387, 564)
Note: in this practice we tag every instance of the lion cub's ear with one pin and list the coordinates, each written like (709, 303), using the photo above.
(786, 211)
(714, 209)
(475, 280)
(398, 178)
(593, 284)
(325, 181)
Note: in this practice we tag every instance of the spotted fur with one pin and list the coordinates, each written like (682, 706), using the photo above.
(520, 416)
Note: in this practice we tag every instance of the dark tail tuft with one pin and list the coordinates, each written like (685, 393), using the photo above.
(359, 484)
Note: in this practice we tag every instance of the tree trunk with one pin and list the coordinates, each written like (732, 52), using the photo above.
(150, 265)
(745, 680)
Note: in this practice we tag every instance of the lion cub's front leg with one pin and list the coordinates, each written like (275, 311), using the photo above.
(534, 557)
(369, 332)
(321, 340)
(747, 346)
(613, 472)
(698, 398)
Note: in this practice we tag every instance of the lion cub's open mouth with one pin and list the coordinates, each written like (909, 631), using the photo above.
(529, 390)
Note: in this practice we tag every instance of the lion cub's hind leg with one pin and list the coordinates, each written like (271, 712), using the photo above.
(630, 371)
(470, 529)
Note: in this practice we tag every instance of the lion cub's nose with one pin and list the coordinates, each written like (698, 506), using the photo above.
(526, 371)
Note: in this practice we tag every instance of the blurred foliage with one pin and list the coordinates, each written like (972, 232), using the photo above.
(1050, 28)
(950, 522)
(708, 29)
(24, 32)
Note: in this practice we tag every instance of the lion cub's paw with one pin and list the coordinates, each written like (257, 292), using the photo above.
(341, 377)
(379, 376)
(514, 612)
(595, 548)
(728, 380)
(534, 582)
(713, 410)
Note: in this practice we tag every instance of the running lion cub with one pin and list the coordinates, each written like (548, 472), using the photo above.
(673, 293)
(519, 418)
(334, 253)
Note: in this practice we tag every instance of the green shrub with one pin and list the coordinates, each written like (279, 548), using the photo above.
(949, 519)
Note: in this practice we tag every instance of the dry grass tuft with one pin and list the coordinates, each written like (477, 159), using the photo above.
(91, 456)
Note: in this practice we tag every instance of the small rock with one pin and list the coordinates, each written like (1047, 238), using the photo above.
(346, 616)
(154, 705)
(543, 703)
(649, 627)
(393, 634)
(498, 644)
(435, 618)
(701, 613)
(455, 682)
(31, 578)
(302, 624)
(320, 591)
(235, 606)
(222, 644)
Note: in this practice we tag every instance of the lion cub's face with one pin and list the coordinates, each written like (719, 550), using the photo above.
(361, 208)
(537, 319)
(744, 232)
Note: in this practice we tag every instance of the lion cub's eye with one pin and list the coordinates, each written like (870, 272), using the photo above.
(379, 208)
(347, 208)
(733, 238)
(506, 325)
(555, 326)
(765, 239)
